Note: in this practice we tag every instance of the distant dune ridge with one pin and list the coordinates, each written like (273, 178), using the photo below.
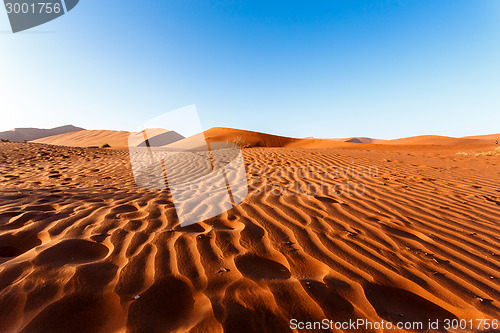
(490, 137)
(29, 134)
(445, 140)
(359, 140)
(119, 139)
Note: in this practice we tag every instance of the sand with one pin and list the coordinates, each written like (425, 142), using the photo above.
(83, 249)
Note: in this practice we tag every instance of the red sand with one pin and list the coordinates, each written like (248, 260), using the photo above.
(79, 240)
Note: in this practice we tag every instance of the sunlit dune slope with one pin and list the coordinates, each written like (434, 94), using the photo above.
(252, 139)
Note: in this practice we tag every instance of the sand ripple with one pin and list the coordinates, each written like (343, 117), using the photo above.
(83, 249)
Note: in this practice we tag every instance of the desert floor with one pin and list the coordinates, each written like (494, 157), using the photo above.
(83, 249)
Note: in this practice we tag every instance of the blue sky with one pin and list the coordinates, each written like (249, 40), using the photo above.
(383, 69)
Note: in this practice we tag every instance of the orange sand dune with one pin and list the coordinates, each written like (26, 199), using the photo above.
(249, 138)
(83, 249)
(489, 137)
(439, 140)
(96, 138)
(256, 139)
(88, 138)
(119, 139)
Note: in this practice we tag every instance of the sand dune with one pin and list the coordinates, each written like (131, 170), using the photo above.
(248, 138)
(363, 140)
(256, 139)
(119, 139)
(115, 139)
(358, 139)
(88, 138)
(28, 134)
(428, 140)
(441, 140)
(82, 248)
(489, 137)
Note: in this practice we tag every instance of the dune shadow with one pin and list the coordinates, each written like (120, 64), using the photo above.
(399, 305)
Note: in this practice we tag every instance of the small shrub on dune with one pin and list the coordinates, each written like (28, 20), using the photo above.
(241, 142)
(104, 145)
(494, 152)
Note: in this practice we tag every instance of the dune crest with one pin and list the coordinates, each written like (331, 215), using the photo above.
(247, 139)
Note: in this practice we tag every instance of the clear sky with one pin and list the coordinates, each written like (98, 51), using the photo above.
(382, 69)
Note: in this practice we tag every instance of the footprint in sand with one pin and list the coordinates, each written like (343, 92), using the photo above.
(258, 268)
